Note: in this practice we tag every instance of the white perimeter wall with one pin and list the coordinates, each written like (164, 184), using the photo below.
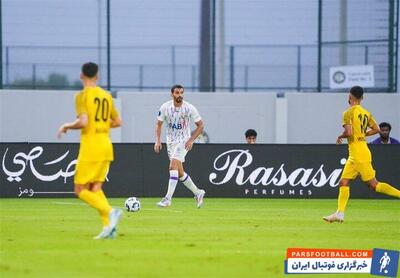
(317, 118)
(34, 116)
(226, 116)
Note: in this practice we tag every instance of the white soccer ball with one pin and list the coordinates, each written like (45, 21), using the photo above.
(132, 204)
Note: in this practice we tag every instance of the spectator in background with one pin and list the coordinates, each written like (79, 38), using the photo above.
(384, 137)
(251, 136)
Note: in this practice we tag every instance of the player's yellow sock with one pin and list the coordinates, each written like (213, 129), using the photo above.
(344, 194)
(387, 189)
(95, 201)
(104, 214)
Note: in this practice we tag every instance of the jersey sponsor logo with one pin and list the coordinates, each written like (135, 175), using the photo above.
(178, 126)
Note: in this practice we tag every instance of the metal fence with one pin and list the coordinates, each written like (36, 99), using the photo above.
(249, 68)
(151, 45)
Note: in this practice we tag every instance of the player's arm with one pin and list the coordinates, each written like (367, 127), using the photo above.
(117, 122)
(195, 134)
(374, 128)
(115, 119)
(157, 144)
(80, 122)
(347, 132)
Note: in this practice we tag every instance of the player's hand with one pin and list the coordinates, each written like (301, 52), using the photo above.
(157, 147)
(339, 141)
(61, 130)
(189, 145)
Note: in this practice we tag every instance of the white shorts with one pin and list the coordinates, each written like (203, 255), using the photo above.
(177, 151)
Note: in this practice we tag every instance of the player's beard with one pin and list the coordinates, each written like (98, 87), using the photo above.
(178, 99)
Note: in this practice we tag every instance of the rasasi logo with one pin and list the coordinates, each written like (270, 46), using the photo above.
(232, 164)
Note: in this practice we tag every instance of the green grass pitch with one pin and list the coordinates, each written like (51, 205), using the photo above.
(225, 238)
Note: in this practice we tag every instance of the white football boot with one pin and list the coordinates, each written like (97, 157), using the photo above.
(105, 233)
(335, 217)
(200, 198)
(165, 202)
(111, 230)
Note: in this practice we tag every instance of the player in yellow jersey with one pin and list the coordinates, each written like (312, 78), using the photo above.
(358, 123)
(96, 114)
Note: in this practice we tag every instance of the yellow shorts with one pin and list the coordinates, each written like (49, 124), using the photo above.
(352, 169)
(91, 171)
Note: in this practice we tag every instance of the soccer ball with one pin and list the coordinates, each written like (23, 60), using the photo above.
(132, 204)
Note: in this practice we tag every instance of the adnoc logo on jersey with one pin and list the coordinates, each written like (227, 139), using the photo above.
(329, 261)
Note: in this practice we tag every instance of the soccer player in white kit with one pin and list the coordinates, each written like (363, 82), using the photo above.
(177, 115)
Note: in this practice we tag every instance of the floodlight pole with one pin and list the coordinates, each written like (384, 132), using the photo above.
(213, 44)
(393, 40)
(319, 46)
(205, 62)
(1, 47)
(99, 33)
(108, 47)
(396, 59)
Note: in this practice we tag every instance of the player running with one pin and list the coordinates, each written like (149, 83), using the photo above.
(358, 123)
(96, 114)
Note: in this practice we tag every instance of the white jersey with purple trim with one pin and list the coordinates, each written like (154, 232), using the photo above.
(177, 120)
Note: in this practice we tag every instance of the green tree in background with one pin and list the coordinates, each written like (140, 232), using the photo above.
(54, 81)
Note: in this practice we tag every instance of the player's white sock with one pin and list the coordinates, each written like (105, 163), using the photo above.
(173, 180)
(187, 181)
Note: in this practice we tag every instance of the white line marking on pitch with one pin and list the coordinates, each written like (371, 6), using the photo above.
(67, 203)
(160, 209)
(77, 204)
(57, 192)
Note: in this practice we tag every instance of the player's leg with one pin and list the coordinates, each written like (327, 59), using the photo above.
(368, 176)
(173, 177)
(180, 155)
(188, 182)
(109, 215)
(349, 173)
(344, 195)
(384, 188)
(89, 178)
(84, 193)
(89, 197)
(96, 188)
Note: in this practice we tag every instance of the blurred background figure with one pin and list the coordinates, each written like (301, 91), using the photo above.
(251, 136)
(203, 138)
(384, 135)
